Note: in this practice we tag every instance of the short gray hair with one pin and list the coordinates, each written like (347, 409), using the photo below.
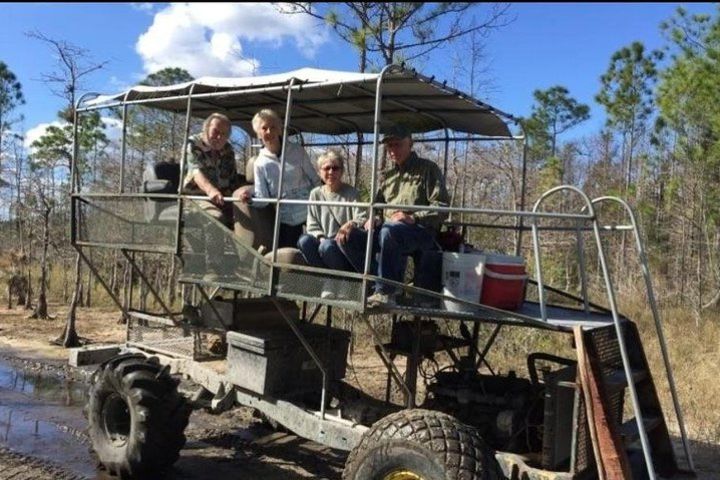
(332, 155)
(215, 116)
(263, 116)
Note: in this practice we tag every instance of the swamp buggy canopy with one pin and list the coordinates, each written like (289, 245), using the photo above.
(327, 101)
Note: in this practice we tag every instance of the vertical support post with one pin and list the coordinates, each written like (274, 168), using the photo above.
(538, 270)
(373, 179)
(278, 205)
(647, 453)
(583, 267)
(123, 143)
(523, 189)
(183, 161)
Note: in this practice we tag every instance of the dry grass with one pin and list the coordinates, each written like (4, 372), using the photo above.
(694, 352)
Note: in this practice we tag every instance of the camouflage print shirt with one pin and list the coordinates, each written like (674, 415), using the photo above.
(217, 166)
(417, 182)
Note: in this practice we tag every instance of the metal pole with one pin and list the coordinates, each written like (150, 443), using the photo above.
(623, 351)
(583, 267)
(373, 179)
(183, 160)
(523, 189)
(538, 270)
(123, 143)
(536, 240)
(276, 227)
(146, 281)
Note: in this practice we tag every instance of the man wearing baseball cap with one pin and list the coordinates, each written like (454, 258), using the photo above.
(409, 180)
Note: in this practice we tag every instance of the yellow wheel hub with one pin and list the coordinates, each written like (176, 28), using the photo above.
(402, 475)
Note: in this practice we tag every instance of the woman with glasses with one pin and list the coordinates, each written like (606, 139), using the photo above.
(325, 223)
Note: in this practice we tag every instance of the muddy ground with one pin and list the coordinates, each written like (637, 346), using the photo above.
(42, 429)
(233, 444)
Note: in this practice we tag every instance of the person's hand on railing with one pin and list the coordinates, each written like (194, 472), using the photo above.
(244, 194)
(216, 196)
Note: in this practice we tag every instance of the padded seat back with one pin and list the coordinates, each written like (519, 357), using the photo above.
(162, 177)
(254, 226)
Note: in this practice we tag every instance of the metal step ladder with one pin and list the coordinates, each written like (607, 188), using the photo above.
(614, 384)
(648, 424)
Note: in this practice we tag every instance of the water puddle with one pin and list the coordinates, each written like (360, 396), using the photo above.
(41, 416)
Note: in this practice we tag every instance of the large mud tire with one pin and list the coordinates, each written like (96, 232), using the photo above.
(420, 445)
(136, 416)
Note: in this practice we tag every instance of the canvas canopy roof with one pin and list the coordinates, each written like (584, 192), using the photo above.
(327, 101)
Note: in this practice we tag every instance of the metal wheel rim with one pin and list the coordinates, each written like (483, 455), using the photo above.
(402, 475)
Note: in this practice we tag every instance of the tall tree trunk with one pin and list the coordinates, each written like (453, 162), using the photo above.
(65, 280)
(360, 136)
(41, 308)
(69, 338)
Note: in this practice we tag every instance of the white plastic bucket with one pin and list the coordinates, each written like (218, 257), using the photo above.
(462, 275)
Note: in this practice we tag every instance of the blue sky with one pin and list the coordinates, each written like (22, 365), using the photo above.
(547, 44)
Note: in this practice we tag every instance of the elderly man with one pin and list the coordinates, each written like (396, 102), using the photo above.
(211, 170)
(410, 180)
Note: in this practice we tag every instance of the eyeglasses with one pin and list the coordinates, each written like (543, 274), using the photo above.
(331, 167)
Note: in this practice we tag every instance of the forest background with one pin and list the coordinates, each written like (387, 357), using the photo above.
(659, 149)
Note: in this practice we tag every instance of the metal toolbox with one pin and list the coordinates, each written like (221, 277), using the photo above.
(273, 361)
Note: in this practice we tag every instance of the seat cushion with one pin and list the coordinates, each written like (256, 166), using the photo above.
(287, 255)
(250, 170)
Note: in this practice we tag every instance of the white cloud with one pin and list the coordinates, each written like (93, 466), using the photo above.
(205, 38)
(38, 131)
(113, 130)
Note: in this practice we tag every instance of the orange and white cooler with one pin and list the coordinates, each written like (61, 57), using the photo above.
(504, 279)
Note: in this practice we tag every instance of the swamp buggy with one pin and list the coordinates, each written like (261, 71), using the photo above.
(250, 332)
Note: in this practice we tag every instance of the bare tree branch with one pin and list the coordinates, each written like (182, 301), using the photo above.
(74, 65)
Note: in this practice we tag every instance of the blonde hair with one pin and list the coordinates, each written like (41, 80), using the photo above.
(263, 116)
(210, 118)
(334, 156)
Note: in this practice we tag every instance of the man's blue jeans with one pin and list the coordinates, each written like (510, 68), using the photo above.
(323, 253)
(394, 241)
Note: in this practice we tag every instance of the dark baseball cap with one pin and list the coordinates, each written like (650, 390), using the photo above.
(396, 131)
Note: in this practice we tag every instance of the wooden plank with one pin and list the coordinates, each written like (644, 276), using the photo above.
(611, 458)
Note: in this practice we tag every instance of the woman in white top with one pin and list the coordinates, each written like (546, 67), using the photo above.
(325, 222)
(299, 178)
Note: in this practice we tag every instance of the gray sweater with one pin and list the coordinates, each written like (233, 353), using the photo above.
(326, 220)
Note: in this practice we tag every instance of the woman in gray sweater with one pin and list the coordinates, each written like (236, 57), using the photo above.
(325, 222)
